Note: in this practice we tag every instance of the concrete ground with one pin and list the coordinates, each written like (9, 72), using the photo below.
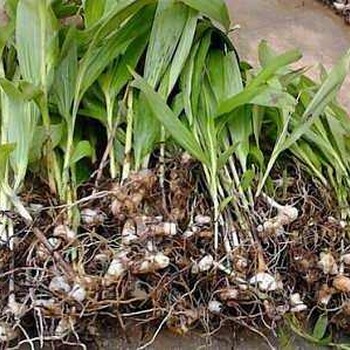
(308, 25)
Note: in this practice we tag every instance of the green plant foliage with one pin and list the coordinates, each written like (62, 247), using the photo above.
(135, 82)
(320, 328)
(216, 10)
(165, 115)
(5, 152)
(191, 89)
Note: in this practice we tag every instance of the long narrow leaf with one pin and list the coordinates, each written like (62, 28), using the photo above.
(18, 121)
(324, 96)
(93, 11)
(5, 152)
(98, 57)
(36, 41)
(168, 26)
(182, 51)
(215, 9)
(166, 116)
(65, 76)
(257, 85)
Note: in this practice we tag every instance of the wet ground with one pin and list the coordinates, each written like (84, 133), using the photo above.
(320, 34)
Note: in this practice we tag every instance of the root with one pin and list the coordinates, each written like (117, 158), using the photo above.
(146, 265)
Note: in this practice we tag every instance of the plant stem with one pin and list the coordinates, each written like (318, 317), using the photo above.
(213, 172)
(216, 204)
(231, 190)
(110, 130)
(68, 179)
(279, 147)
(106, 154)
(4, 205)
(10, 233)
(66, 163)
(162, 166)
(48, 150)
(128, 137)
(236, 179)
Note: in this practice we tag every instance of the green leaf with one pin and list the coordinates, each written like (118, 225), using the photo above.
(82, 150)
(118, 13)
(199, 66)
(11, 90)
(204, 122)
(320, 328)
(36, 41)
(177, 104)
(110, 4)
(275, 65)
(258, 117)
(247, 179)
(257, 156)
(224, 74)
(240, 128)
(186, 83)
(64, 9)
(18, 121)
(266, 53)
(224, 157)
(21, 91)
(146, 129)
(7, 26)
(82, 173)
(118, 74)
(182, 51)
(307, 154)
(168, 25)
(173, 125)
(93, 11)
(94, 109)
(100, 54)
(66, 75)
(215, 9)
(240, 99)
(257, 85)
(323, 97)
(274, 97)
(298, 329)
(36, 149)
(293, 77)
(5, 151)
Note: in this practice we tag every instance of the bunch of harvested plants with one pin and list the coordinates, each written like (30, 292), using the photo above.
(147, 174)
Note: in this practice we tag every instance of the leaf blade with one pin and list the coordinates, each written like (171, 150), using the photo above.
(215, 9)
(173, 125)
